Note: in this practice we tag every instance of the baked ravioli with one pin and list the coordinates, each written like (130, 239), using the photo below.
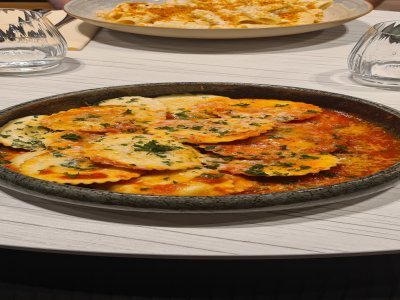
(196, 145)
(100, 119)
(24, 133)
(142, 152)
(213, 130)
(194, 182)
(58, 168)
(209, 14)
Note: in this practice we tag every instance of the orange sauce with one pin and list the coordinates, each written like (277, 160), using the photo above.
(364, 149)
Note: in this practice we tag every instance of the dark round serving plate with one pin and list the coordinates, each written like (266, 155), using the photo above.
(376, 113)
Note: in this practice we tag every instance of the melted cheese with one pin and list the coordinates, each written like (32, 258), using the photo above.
(19, 159)
(211, 130)
(24, 133)
(143, 152)
(195, 182)
(141, 105)
(285, 141)
(307, 164)
(277, 110)
(63, 169)
(69, 142)
(100, 119)
(184, 107)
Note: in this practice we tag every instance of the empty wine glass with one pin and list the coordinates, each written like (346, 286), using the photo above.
(29, 42)
(376, 57)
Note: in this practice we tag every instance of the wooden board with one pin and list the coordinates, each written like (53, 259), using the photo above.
(27, 5)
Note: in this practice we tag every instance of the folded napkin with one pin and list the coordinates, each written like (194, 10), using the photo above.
(77, 33)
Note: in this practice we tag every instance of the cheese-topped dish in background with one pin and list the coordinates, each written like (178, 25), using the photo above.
(218, 13)
(196, 145)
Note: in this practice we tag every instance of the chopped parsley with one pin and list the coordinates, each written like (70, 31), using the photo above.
(342, 148)
(241, 104)
(182, 115)
(306, 156)
(256, 170)
(30, 145)
(73, 164)
(208, 148)
(72, 176)
(134, 99)
(305, 167)
(93, 116)
(71, 137)
(284, 164)
(56, 154)
(167, 128)
(154, 147)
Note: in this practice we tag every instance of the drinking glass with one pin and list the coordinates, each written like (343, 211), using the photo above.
(375, 59)
(29, 42)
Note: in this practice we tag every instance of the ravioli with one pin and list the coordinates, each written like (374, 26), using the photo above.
(195, 182)
(100, 119)
(214, 161)
(277, 110)
(185, 106)
(127, 101)
(63, 169)
(141, 105)
(19, 159)
(70, 142)
(8, 154)
(142, 152)
(307, 164)
(24, 133)
(285, 141)
(197, 145)
(213, 130)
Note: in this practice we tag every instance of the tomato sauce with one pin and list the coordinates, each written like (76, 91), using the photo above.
(362, 147)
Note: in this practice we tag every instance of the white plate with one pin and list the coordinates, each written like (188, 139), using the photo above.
(340, 12)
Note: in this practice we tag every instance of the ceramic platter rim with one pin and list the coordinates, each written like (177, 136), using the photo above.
(73, 9)
(198, 204)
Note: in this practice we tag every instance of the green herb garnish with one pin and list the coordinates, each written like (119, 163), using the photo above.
(154, 147)
(241, 104)
(305, 156)
(71, 137)
(256, 170)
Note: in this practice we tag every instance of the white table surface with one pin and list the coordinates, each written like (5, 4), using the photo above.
(315, 60)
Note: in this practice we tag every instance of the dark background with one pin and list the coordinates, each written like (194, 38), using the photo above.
(42, 276)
